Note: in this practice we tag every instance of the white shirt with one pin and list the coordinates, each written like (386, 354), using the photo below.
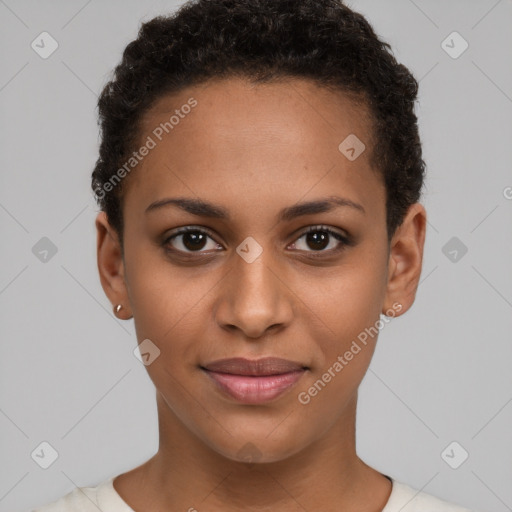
(105, 498)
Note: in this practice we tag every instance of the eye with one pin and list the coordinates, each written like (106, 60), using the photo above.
(321, 239)
(190, 239)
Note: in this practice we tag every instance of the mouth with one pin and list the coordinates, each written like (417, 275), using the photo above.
(254, 381)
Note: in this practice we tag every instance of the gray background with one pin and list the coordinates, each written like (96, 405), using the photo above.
(441, 373)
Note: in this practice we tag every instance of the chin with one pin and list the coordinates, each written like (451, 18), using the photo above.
(257, 448)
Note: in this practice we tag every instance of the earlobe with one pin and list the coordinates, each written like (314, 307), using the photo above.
(111, 265)
(405, 259)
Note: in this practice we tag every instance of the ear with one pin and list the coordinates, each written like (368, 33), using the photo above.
(111, 266)
(405, 260)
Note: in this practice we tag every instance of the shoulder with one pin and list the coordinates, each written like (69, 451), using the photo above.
(88, 499)
(81, 499)
(404, 498)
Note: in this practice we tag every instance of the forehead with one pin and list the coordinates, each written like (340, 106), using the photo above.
(286, 109)
(233, 136)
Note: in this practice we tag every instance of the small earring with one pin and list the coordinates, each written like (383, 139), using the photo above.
(117, 308)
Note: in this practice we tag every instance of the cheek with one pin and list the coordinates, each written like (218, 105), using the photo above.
(345, 337)
(162, 296)
(342, 313)
(344, 301)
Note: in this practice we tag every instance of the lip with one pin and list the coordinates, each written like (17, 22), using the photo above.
(256, 367)
(254, 381)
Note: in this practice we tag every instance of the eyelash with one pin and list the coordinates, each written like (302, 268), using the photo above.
(344, 240)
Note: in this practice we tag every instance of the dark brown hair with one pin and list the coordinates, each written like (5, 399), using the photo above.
(264, 40)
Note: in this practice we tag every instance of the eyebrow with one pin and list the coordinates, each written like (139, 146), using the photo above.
(203, 208)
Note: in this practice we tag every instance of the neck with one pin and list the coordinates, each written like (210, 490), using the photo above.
(185, 474)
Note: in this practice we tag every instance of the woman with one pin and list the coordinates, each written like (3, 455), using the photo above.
(259, 177)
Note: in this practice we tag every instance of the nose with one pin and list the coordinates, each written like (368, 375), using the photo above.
(254, 298)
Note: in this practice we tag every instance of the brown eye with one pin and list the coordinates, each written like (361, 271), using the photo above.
(190, 239)
(321, 239)
(317, 240)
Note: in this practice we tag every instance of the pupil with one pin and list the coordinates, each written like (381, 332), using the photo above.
(194, 240)
(318, 239)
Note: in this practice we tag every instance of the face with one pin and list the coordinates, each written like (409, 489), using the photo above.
(288, 259)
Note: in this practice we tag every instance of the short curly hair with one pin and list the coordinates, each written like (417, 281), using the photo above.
(264, 40)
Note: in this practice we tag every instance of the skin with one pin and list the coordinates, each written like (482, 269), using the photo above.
(254, 150)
